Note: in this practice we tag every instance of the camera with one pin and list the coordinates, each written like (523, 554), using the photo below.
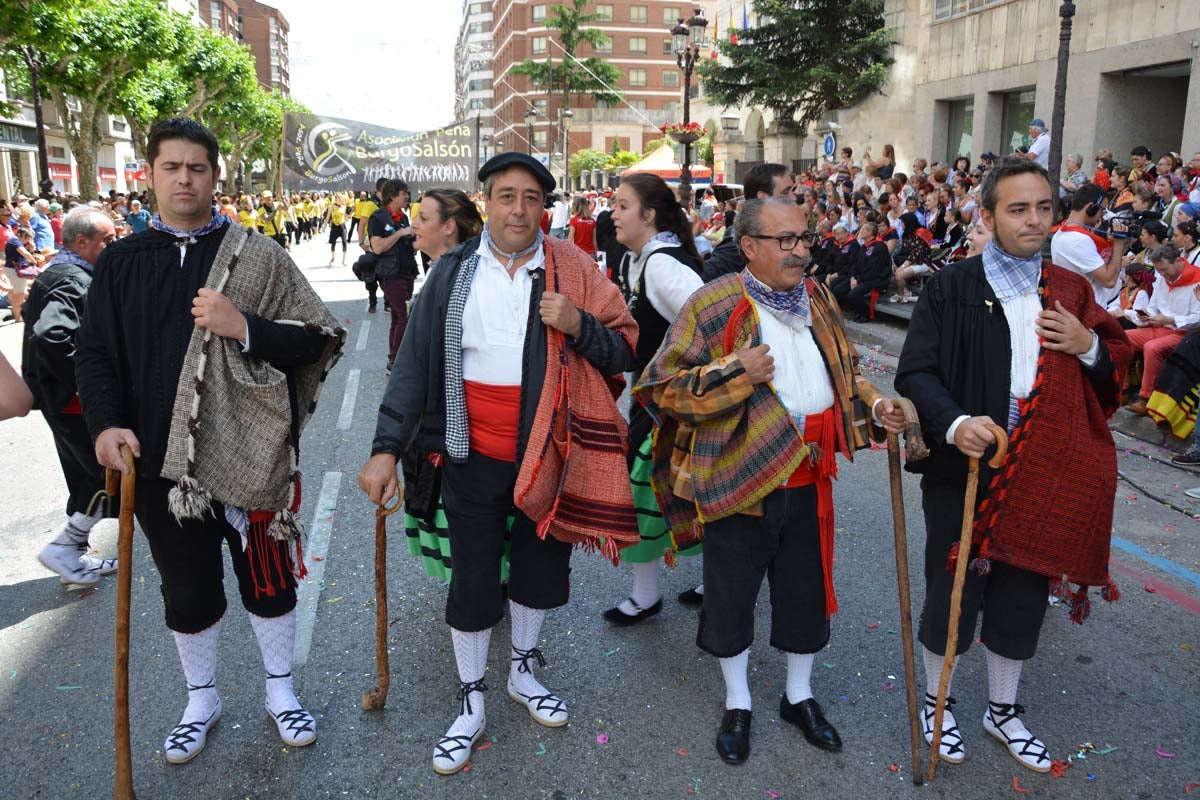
(1134, 221)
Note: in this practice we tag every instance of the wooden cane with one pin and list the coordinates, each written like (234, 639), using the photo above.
(123, 778)
(960, 577)
(916, 450)
(375, 699)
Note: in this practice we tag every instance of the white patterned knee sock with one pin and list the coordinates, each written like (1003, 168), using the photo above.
(526, 626)
(198, 657)
(470, 653)
(277, 640)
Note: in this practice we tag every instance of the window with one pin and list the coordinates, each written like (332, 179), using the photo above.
(637, 77)
(604, 13)
(479, 27)
(671, 105)
(119, 126)
(640, 105)
(671, 79)
(539, 140)
(945, 9)
(478, 8)
(604, 46)
(671, 16)
(538, 45)
(637, 13)
(539, 13)
(539, 105)
(667, 51)
(1014, 123)
(637, 44)
(58, 152)
(479, 85)
(960, 124)
(477, 104)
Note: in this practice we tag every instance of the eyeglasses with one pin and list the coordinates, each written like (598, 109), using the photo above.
(788, 242)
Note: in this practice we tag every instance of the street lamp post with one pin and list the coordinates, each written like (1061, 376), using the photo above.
(565, 119)
(1058, 117)
(688, 38)
(530, 117)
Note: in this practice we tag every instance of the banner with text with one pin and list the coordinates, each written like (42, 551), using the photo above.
(339, 154)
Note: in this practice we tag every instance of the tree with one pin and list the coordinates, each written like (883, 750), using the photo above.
(653, 144)
(585, 160)
(566, 74)
(704, 149)
(804, 59)
(239, 123)
(109, 44)
(624, 158)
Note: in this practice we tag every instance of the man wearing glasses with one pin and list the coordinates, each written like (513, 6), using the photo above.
(756, 389)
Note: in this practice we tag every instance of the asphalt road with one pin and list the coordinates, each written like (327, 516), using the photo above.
(1126, 683)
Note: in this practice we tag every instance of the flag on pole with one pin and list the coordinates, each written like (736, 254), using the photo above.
(733, 38)
(745, 17)
(716, 37)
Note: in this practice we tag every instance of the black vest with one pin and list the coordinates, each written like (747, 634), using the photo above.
(652, 326)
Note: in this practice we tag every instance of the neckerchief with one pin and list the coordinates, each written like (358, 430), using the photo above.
(665, 236)
(793, 305)
(512, 257)
(1009, 275)
(65, 256)
(188, 237)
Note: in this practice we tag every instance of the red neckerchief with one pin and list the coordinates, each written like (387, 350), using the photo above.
(826, 238)
(1189, 276)
(396, 217)
(1103, 246)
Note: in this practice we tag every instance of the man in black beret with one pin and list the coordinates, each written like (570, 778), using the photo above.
(480, 381)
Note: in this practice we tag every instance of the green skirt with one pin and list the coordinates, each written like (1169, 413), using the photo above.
(429, 540)
(656, 539)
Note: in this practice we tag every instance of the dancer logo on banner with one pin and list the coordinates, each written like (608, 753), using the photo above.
(329, 153)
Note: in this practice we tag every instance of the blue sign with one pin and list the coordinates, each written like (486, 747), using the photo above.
(830, 145)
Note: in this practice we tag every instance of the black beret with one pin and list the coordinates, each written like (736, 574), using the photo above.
(503, 161)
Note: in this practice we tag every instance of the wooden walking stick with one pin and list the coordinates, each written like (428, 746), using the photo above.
(915, 450)
(123, 779)
(375, 699)
(960, 576)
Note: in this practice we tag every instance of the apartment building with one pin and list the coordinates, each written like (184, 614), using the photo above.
(473, 69)
(222, 16)
(265, 29)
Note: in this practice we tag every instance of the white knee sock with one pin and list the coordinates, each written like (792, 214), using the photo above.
(78, 526)
(277, 640)
(645, 591)
(933, 672)
(198, 657)
(737, 690)
(470, 653)
(1004, 675)
(526, 625)
(799, 676)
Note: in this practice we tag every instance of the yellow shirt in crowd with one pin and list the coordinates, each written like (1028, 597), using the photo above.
(248, 218)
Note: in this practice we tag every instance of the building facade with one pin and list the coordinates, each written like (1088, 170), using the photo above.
(265, 30)
(473, 70)
(222, 16)
(638, 44)
(969, 76)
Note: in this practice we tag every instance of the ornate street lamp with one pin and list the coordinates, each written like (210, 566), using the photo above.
(566, 117)
(688, 38)
(530, 117)
(729, 122)
(1058, 116)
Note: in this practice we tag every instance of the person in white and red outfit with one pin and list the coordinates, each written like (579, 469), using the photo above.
(1173, 311)
(1081, 247)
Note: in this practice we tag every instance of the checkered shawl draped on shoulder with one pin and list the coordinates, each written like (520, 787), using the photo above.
(231, 424)
(573, 479)
(722, 443)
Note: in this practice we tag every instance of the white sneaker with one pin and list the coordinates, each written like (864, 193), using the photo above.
(64, 560)
(187, 739)
(1002, 722)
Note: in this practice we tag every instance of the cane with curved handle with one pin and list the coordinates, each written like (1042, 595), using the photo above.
(123, 776)
(375, 699)
(960, 577)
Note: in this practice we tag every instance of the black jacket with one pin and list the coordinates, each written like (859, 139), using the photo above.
(413, 411)
(957, 359)
(52, 313)
(726, 258)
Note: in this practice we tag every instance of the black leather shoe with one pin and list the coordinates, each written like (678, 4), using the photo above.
(691, 598)
(733, 739)
(618, 617)
(807, 716)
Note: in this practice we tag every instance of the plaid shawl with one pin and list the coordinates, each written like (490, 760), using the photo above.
(1060, 474)
(723, 444)
(573, 478)
(230, 435)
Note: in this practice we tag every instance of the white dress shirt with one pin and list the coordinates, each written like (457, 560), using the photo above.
(669, 283)
(1181, 304)
(801, 381)
(495, 319)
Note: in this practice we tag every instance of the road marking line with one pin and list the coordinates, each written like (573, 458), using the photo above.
(363, 333)
(346, 415)
(1165, 564)
(308, 592)
(1160, 587)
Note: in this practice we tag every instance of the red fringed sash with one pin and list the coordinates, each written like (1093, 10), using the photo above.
(820, 433)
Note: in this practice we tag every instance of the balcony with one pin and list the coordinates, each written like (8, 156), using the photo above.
(600, 116)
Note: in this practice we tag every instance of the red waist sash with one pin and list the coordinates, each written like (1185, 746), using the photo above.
(820, 468)
(493, 417)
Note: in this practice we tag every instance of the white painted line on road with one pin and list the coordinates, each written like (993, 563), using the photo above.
(363, 333)
(309, 591)
(346, 415)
